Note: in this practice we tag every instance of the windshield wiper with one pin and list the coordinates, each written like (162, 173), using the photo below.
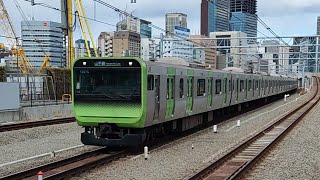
(135, 88)
(119, 95)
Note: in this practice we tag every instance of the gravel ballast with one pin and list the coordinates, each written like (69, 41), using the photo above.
(177, 160)
(298, 156)
(20, 144)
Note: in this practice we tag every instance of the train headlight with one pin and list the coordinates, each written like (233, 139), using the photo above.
(130, 63)
(84, 63)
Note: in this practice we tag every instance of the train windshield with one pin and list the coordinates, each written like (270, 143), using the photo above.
(107, 84)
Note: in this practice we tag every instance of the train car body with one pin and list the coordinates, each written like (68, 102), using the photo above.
(126, 101)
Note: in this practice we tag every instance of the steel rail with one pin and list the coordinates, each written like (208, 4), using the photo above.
(70, 166)
(241, 159)
(32, 124)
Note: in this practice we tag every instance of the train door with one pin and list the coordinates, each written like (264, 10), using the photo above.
(157, 97)
(190, 94)
(253, 87)
(170, 96)
(247, 89)
(210, 83)
(237, 90)
(225, 90)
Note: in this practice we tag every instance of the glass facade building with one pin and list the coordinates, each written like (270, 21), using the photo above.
(145, 29)
(39, 37)
(243, 16)
(214, 16)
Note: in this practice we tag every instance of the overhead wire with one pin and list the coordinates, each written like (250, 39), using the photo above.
(57, 9)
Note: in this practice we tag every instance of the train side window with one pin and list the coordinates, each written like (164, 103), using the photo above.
(241, 85)
(230, 86)
(181, 85)
(218, 86)
(201, 84)
(257, 84)
(150, 82)
(250, 85)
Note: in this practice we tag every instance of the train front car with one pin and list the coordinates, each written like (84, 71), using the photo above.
(110, 100)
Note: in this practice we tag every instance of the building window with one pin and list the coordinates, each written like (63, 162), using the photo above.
(201, 87)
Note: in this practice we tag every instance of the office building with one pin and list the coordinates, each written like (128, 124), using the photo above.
(81, 50)
(136, 25)
(210, 53)
(126, 43)
(145, 29)
(229, 39)
(175, 19)
(243, 16)
(40, 38)
(105, 44)
(214, 16)
(274, 58)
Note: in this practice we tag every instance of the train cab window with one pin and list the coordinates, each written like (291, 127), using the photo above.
(241, 85)
(150, 82)
(181, 85)
(201, 84)
(218, 86)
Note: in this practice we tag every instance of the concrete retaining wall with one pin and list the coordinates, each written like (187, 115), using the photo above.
(36, 113)
(45, 112)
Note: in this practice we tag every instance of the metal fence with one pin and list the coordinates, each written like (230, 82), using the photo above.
(41, 90)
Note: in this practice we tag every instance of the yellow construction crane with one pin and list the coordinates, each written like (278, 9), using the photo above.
(85, 28)
(7, 27)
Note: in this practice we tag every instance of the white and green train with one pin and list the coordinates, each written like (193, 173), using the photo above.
(125, 101)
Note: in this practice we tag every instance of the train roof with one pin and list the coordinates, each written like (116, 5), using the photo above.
(233, 70)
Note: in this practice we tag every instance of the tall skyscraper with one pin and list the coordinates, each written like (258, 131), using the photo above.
(214, 16)
(39, 37)
(243, 16)
(175, 19)
(318, 25)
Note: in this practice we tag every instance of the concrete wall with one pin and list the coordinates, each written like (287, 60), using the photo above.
(45, 112)
(36, 113)
(9, 96)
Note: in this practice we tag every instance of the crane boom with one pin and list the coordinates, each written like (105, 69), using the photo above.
(11, 36)
(7, 26)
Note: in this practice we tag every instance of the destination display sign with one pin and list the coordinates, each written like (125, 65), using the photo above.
(111, 63)
(107, 64)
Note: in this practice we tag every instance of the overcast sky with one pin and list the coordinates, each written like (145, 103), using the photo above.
(285, 17)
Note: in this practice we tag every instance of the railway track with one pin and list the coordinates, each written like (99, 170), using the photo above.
(70, 166)
(239, 161)
(32, 124)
